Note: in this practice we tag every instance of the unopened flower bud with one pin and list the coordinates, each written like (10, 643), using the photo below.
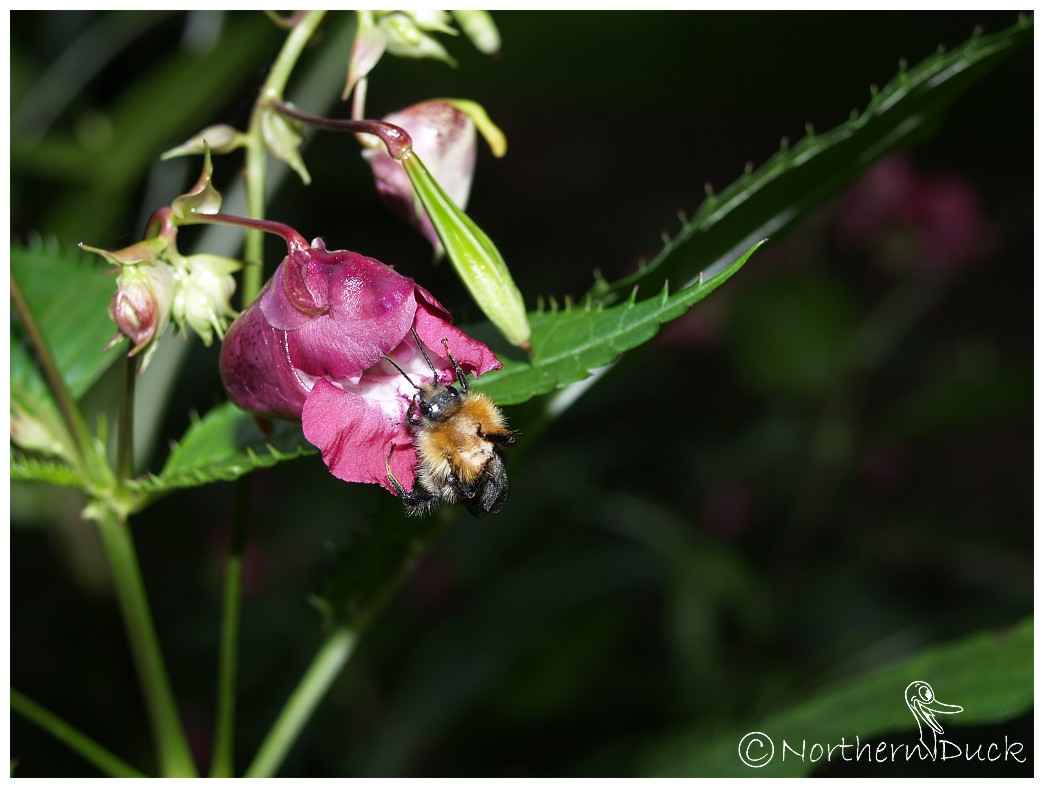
(478, 26)
(410, 34)
(283, 139)
(144, 290)
(202, 299)
(202, 198)
(369, 46)
(142, 306)
(220, 138)
(407, 34)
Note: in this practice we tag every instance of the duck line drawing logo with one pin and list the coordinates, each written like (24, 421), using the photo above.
(921, 700)
(758, 749)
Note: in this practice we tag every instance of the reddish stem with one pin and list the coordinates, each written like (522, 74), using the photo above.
(160, 224)
(395, 139)
(294, 240)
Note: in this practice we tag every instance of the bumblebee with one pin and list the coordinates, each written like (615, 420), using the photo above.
(458, 436)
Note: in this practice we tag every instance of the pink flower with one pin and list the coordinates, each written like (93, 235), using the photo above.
(950, 220)
(909, 220)
(312, 347)
(444, 138)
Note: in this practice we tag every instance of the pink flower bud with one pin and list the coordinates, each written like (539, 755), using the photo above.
(312, 347)
(142, 304)
(444, 138)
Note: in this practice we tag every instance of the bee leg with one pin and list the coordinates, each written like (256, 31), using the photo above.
(411, 419)
(415, 503)
(462, 379)
(419, 504)
(464, 490)
(391, 476)
(500, 438)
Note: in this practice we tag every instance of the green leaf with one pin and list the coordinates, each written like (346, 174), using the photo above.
(569, 343)
(224, 445)
(989, 674)
(30, 469)
(69, 295)
(764, 203)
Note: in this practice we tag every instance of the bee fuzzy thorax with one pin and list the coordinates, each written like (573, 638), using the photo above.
(458, 444)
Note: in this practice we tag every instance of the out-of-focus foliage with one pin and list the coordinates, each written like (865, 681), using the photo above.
(822, 471)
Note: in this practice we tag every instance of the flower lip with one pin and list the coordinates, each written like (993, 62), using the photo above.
(360, 424)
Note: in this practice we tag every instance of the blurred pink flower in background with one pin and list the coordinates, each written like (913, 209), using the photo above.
(908, 220)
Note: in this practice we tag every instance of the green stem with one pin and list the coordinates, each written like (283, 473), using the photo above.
(253, 249)
(332, 657)
(72, 738)
(125, 446)
(253, 254)
(70, 413)
(172, 751)
(223, 765)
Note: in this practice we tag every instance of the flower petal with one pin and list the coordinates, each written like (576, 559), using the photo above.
(432, 327)
(256, 367)
(356, 433)
(287, 302)
(371, 310)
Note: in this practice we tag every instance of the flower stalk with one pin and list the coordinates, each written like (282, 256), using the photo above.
(395, 139)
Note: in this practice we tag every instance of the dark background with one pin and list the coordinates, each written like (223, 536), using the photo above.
(731, 518)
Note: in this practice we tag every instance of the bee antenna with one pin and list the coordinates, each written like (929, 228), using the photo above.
(420, 347)
(408, 378)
